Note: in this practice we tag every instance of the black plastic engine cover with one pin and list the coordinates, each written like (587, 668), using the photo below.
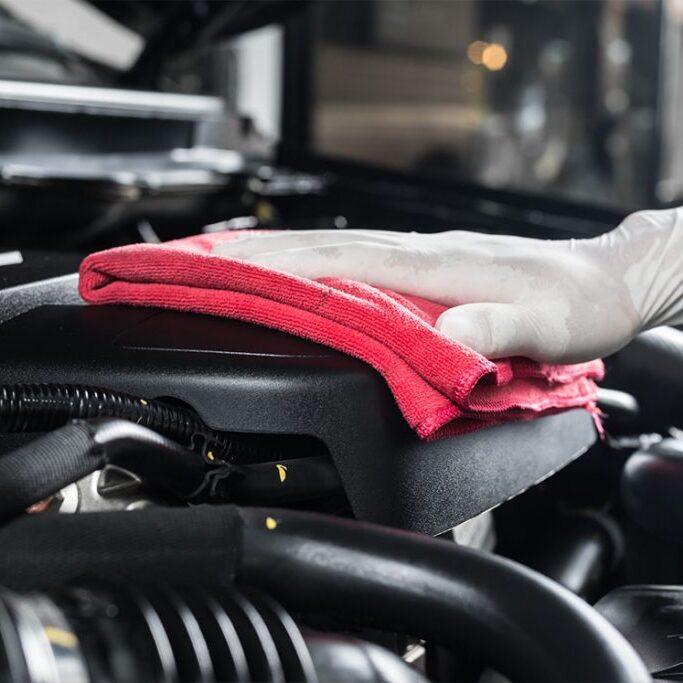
(241, 377)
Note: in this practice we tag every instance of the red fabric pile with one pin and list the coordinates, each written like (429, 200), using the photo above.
(441, 387)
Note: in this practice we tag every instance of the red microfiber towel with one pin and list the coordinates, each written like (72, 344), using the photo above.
(441, 387)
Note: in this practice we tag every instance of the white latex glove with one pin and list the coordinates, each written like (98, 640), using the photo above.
(557, 301)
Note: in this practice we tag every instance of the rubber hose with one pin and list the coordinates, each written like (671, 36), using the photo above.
(528, 627)
(41, 468)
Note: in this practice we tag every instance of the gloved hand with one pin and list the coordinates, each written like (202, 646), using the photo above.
(556, 301)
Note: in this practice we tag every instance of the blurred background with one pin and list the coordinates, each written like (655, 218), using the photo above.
(575, 101)
(552, 96)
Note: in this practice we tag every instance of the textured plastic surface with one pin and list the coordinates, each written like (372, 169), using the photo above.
(40, 278)
(245, 378)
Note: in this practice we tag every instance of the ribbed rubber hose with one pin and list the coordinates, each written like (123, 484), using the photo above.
(526, 626)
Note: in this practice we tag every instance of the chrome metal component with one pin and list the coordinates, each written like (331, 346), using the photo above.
(112, 488)
(71, 98)
(477, 532)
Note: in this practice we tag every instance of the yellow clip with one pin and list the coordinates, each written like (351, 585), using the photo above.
(58, 636)
(144, 403)
(282, 471)
(271, 523)
(210, 456)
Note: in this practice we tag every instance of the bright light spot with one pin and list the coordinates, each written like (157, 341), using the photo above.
(475, 51)
(619, 51)
(494, 57)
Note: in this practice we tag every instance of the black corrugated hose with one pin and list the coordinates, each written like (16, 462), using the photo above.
(44, 407)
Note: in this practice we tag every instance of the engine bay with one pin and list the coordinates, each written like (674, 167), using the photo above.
(119, 422)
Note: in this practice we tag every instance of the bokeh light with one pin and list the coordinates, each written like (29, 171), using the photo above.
(475, 51)
(494, 57)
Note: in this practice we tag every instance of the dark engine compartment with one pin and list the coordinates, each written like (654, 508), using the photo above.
(256, 417)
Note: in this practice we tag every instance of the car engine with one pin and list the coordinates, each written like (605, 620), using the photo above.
(187, 498)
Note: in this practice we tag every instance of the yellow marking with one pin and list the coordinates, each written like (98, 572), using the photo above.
(263, 210)
(271, 523)
(210, 456)
(58, 636)
(282, 471)
(144, 403)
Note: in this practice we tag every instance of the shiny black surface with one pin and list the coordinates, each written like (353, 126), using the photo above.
(525, 625)
(528, 627)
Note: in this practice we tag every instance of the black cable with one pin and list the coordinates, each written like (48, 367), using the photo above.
(283, 482)
(44, 407)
